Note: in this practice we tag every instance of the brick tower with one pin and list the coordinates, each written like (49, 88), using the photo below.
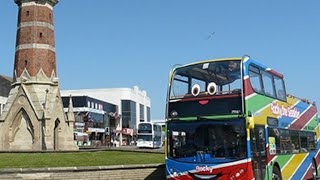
(33, 118)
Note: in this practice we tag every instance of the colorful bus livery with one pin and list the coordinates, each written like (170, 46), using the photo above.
(232, 119)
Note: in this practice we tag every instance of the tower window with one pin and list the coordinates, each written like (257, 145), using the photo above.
(25, 63)
(28, 13)
(50, 16)
(40, 35)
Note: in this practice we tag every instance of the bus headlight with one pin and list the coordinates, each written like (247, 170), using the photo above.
(237, 174)
(174, 172)
(171, 170)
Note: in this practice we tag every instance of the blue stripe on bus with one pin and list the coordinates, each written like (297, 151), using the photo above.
(248, 149)
(284, 122)
(178, 167)
(246, 66)
(303, 167)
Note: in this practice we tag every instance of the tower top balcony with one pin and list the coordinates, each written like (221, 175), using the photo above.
(51, 2)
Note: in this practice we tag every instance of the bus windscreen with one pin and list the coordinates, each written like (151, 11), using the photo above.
(145, 128)
(224, 75)
(204, 141)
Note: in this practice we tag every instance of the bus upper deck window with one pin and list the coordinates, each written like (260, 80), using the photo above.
(280, 90)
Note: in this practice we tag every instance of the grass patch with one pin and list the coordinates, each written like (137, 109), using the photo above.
(102, 158)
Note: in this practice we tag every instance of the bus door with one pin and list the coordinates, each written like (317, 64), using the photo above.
(258, 151)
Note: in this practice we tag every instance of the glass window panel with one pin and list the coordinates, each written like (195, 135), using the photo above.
(255, 82)
(295, 141)
(280, 90)
(268, 84)
(179, 88)
(304, 142)
(141, 112)
(221, 73)
(285, 142)
(311, 141)
(254, 69)
(201, 142)
(148, 114)
(234, 87)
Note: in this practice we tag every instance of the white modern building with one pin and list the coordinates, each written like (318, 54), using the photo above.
(134, 106)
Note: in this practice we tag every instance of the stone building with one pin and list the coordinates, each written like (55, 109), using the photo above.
(33, 117)
(5, 87)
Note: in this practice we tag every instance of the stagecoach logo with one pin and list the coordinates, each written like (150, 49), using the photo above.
(284, 111)
(204, 169)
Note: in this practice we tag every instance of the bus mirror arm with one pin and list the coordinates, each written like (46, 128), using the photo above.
(250, 122)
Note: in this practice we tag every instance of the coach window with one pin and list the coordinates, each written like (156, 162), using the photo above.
(295, 141)
(280, 88)
(304, 142)
(311, 141)
(285, 142)
(255, 79)
(268, 84)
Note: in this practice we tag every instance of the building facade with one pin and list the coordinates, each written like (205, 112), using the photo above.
(94, 120)
(133, 107)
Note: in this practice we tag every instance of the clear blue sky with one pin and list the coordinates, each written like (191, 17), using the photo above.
(122, 43)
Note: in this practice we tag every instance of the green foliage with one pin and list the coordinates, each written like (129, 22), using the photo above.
(104, 158)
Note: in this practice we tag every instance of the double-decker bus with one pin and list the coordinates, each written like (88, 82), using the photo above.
(233, 119)
(149, 135)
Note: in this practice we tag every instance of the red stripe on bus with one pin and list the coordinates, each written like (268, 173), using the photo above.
(308, 174)
(275, 73)
(248, 90)
(304, 119)
(269, 157)
(318, 159)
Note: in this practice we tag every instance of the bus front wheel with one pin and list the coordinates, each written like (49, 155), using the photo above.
(276, 174)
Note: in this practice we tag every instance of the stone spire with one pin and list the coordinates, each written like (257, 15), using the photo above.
(71, 118)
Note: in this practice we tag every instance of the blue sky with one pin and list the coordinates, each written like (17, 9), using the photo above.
(122, 43)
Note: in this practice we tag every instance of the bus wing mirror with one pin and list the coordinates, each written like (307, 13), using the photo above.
(250, 122)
